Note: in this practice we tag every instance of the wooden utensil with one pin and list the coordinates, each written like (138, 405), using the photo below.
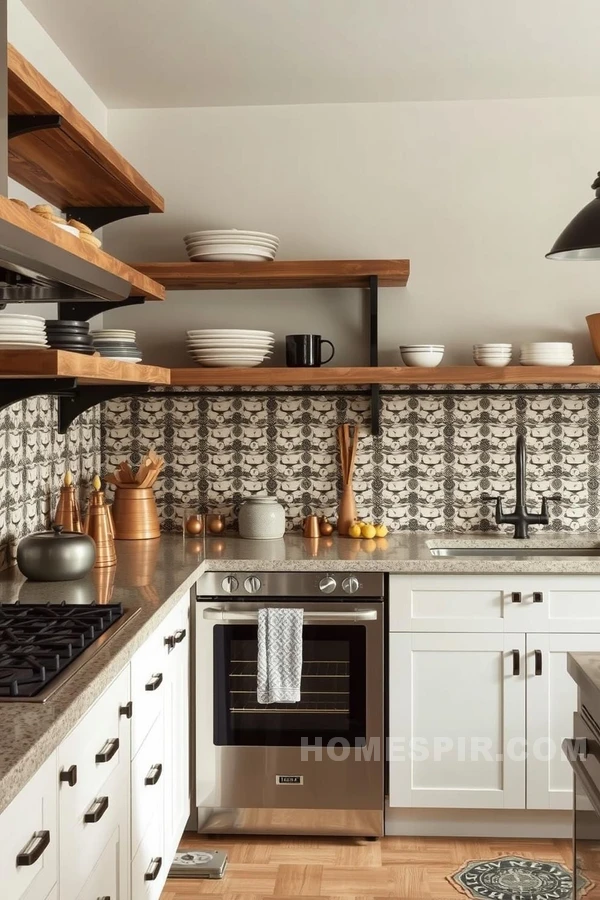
(348, 443)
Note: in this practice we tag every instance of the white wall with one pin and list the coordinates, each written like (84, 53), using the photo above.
(473, 192)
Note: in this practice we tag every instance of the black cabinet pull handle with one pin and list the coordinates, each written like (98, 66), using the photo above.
(32, 851)
(126, 711)
(96, 810)
(538, 597)
(180, 635)
(538, 661)
(153, 775)
(516, 658)
(108, 751)
(155, 682)
(516, 596)
(153, 869)
(104, 898)
(69, 776)
(170, 641)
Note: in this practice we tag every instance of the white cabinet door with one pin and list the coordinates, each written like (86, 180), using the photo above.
(104, 879)
(568, 603)
(551, 702)
(457, 720)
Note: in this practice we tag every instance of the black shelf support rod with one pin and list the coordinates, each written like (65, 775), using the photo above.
(88, 395)
(97, 216)
(84, 310)
(23, 124)
(14, 389)
(374, 352)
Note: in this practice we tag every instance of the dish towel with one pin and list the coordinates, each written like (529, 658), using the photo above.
(279, 663)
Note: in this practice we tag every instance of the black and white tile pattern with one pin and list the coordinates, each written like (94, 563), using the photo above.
(436, 457)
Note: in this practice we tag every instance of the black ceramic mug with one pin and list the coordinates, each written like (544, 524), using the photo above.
(304, 350)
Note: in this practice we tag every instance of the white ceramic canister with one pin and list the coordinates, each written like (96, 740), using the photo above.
(261, 519)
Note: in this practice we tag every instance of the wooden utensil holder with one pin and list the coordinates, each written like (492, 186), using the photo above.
(135, 515)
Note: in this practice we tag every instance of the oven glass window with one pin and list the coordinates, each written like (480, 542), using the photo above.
(333, 690)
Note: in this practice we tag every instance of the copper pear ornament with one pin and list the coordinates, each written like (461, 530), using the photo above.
(98, 526)
(67, 511)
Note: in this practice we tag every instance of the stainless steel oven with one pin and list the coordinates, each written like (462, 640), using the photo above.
(583, 752)
(312, 767)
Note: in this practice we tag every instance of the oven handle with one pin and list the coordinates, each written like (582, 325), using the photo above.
(572, 751)
(231, 616)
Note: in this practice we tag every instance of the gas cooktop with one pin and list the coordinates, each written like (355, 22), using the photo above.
(42, 645)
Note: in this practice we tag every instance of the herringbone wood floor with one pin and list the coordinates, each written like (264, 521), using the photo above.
(345, 869)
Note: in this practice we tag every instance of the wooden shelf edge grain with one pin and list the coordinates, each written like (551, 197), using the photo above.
(326, 375)
(286, 273)
(73, 165)
(86, 369)
(141, 285)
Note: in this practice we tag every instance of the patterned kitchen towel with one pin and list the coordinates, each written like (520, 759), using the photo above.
(279, 664)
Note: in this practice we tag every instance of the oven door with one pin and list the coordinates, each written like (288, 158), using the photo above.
(586, 812)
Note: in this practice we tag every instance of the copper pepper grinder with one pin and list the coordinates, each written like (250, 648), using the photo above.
(98, 526)
(67, 511)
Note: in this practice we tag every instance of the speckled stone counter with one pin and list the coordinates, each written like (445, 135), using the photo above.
(151, 576)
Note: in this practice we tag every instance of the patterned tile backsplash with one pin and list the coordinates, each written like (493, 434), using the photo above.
(435, 459)
(34, 460)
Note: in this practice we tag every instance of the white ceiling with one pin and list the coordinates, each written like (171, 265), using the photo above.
(165, 53)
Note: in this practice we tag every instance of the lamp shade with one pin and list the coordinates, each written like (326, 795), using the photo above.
(581, 237)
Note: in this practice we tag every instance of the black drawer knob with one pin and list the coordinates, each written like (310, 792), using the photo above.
(69, 776)
(126, 710)
(516, 596)
(96, 810)
(34, 849)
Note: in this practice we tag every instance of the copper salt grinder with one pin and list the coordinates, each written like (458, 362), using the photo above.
(311, 527)
(99, 527)
(67, 511)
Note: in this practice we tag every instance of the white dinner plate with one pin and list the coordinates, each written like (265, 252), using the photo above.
(231, 351)
(21, 345)
(20, 329)
(231, 254)
(225, 232)
(229, 363)
(20, 319)
(230, 332)
(242, 345)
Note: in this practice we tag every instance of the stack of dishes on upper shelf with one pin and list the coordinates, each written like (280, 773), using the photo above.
(230, 245)
(550, 353)
(495, 355)
(20, 332)
(70, 334)
(229, 347)
(117, 343)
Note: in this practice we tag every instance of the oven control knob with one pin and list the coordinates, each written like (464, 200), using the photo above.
(351, 584)
(252, 584)
(230, 584)
(327, 585)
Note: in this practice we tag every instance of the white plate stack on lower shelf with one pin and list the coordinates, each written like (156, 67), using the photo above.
(20, 332)
(231, 245)
(550, 353)
(234, 348)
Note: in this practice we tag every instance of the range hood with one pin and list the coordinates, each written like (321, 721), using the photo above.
(32, 269)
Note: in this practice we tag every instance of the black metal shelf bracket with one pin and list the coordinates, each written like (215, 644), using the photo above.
(84, 310)
(97, 216)
(23, 124)
(374, 352)
(14, 389)
(88, 395)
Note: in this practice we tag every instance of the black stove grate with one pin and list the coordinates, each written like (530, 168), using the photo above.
(39, 641)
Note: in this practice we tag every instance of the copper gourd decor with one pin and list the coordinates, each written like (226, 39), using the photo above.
(67, 510)
(325, 526)
(98, 527)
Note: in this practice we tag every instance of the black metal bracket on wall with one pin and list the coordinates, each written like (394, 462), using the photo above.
(374, 352)
(23, 124)
(97, 216)
(12, 390)
(88, 395)
(84, 310)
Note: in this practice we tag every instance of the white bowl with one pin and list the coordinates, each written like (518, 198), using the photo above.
(555, 362)
(421, 347)
(492, 347)
(492, 363)
(428, 357)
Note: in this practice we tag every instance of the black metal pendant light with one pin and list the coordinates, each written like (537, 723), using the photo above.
(581, 237)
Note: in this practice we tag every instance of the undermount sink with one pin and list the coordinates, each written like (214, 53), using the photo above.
(518, 552)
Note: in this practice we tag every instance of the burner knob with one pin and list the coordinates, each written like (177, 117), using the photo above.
(230, 584)
(327, 585)
(351, 584)
(252, 584)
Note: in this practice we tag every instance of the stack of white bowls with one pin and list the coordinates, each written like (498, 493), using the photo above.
(427, 355)
(19, 332)
(230, 245)
(236, 348)
(549, 353)
(495, 355)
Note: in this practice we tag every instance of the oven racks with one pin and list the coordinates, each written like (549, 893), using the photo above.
(304, 706)
(318, 668)
(244, 700)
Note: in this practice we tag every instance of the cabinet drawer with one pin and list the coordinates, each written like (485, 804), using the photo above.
(149, 869)
(104, 880)
(27, 826)
(452, 603)
(147, 783)
(83, 841)
(147, 685)
(97, 746)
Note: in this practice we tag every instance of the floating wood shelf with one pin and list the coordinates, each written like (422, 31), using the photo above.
(25, 364)
(191, 276)
(141, 285)
(326, 375)
(72, 165)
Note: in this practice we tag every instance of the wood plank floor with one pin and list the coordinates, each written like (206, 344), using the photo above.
(347, 869)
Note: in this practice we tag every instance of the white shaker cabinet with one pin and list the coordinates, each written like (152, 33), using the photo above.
(456, 702)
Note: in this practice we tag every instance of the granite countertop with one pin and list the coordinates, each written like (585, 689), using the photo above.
(151, 576)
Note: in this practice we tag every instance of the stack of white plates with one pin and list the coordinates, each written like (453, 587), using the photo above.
(230, 245)
(550, 353)
(234, 347)
(18, 332)
(492, 354)
(117, 343)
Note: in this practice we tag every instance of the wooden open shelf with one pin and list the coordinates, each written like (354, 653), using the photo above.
(141, 285)
(73, 165)
(24, 364)
(446, 375)
(197, 276)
